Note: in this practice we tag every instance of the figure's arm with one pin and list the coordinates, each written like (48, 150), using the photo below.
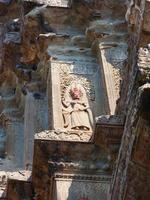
(86, 105)
(83, 104)
(66, 104)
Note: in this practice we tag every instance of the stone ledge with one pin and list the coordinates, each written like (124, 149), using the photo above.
(100, 177)
(109, 131)
(84, 166)
(53, 3)
(110, 120)
(63, 135)
(20, 176)
(53, 35)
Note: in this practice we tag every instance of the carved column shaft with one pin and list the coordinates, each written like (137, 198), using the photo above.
(54, 98)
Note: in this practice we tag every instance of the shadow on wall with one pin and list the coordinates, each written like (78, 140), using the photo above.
(2, 143)
(145, 105)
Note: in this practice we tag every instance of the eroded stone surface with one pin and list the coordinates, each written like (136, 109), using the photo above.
(132, 171)
(46, 50)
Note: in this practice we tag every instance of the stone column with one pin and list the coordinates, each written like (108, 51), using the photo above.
(54, 98)
(109, 82)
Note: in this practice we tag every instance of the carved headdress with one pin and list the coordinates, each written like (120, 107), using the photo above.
(76, 91)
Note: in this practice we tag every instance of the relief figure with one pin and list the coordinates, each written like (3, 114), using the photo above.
(77, 114)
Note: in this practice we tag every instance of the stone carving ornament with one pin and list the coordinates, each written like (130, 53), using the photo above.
(68, 76)
(76, 111)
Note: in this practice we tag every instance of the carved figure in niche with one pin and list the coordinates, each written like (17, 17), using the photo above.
(76, 111)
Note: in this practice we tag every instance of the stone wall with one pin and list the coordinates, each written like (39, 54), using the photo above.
(131, 178)
(67, 157)
(84, 33)
(133, 152)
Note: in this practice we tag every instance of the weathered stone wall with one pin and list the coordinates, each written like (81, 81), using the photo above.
(81, 33)
(134, 18)
(65, 157)
(10, 48)
(131, 178)
(134, 148)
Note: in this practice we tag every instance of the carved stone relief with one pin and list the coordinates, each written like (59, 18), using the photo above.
(76, 110)
(64, 135)
(68, 75)
(76, 87)
(117, 57)
(76, 92)
(113, 56)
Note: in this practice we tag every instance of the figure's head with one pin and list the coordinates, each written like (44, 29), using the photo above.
(76, 93)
